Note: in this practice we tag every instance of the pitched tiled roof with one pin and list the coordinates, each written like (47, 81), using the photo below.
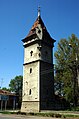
(4, 92)
(32, 32)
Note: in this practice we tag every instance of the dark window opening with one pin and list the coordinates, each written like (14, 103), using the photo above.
(46, 52)
(30, 92)
(39, 31)
(30, 70)
(39, 54)
(31, 53)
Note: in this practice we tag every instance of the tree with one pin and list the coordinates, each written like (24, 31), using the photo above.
(16, 87)
(4, 88)
(66, 67)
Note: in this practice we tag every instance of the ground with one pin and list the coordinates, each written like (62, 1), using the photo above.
(5, 116)
(12, 116)
(41, 115)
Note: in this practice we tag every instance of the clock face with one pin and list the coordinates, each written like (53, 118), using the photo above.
(39, 31)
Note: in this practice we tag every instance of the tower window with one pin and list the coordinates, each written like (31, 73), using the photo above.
(39, 54)
(30, 92)
(30, 70)
(39, 31)
(31, 53)
(46, 52)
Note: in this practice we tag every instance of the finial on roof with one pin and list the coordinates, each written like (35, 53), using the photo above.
(38, 11)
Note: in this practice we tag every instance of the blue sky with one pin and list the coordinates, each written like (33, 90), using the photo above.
(61, 18)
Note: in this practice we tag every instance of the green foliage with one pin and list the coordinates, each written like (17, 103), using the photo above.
(67, 63)
(16, 87)
(4, 88)
(16, 84)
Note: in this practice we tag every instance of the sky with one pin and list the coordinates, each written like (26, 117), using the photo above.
(61, 18)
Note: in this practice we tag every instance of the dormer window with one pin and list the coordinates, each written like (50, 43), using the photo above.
(31, 53)
(39, 31)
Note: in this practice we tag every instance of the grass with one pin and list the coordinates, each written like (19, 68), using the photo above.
(55, 114)
(7, 112)
(45, 114)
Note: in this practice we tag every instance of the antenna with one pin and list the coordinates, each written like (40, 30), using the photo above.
(38, 11)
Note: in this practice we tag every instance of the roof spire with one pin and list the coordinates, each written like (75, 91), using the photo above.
(38, 11)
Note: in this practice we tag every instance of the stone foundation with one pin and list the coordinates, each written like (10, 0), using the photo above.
(30, 106)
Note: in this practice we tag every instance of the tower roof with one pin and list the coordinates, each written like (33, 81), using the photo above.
(35, 25)
(32, 32)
